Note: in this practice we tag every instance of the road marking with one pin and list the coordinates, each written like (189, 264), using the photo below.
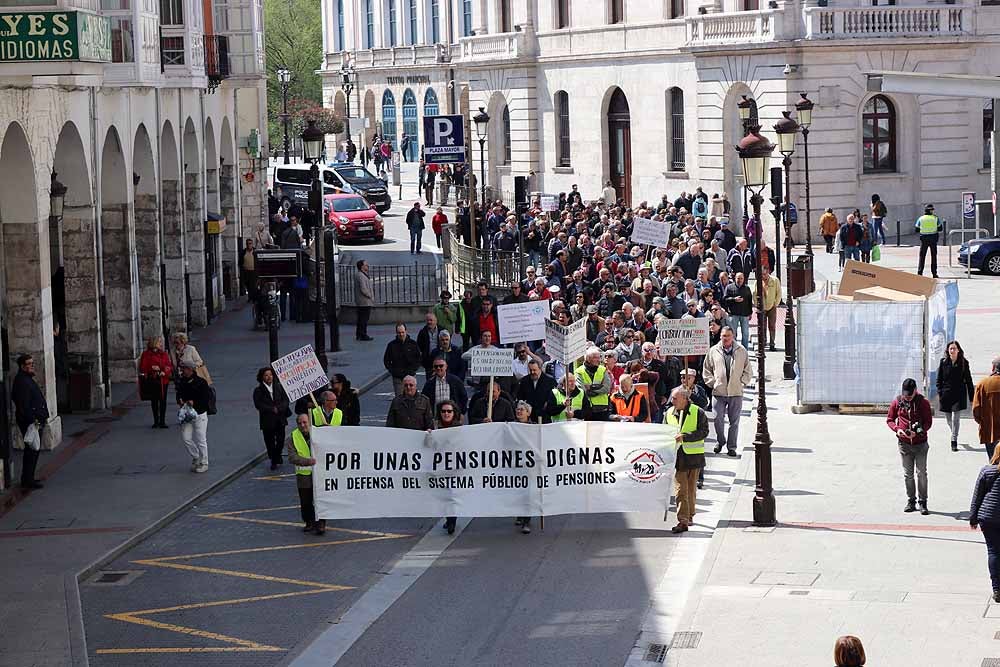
(64, 531)
(276, 478)
(236, 644)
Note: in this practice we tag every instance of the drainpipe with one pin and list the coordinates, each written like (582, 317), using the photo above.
(102, 304)
(164, 306)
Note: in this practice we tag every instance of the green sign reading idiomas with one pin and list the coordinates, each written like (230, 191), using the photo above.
(54, 36)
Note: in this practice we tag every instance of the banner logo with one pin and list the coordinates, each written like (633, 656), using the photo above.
(644, 465)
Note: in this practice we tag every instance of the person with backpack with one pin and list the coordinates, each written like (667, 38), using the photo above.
(910, 419)
(193, 391)
(851, 235)
(878, 218)
(867, 240)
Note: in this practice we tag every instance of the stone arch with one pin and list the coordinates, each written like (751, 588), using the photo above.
(119, 302)
(228, 191)
(732, 173)
(172, 224)
(145, 202)
(25, 324)
(495, 138)
(369, 113)
(194, 227)
(212, 254)
(73, 256)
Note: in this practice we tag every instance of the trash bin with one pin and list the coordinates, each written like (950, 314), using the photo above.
(800, 277)
(81, 376)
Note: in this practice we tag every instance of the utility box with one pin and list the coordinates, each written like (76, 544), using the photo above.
(800, 276)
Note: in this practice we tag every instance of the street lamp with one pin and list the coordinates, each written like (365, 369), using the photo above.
(747, 108)
(482, 121)
(284, 78)
(755, 156)
(786, 128)
(312, 148)
(57, 198)
(347, 85)
(804, 109)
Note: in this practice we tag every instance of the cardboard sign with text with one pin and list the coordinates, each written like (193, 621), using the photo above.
(567, 344)
(858, 275)
(300, 373)
(498, 361)
(677, 338)
(650, 232)
(522, 321)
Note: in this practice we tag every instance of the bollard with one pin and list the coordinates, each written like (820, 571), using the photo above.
(897, 233)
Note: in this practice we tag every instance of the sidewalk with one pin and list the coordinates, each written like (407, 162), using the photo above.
(114, 476)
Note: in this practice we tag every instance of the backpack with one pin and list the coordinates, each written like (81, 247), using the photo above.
(879, 209)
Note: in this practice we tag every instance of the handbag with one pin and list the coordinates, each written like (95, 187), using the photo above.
(876, 253)
(149, 388)
(31, 438)
(211, 400)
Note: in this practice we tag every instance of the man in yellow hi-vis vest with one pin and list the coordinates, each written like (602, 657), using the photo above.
(327, 414)
(689, 426)
(928, 226)
(595, 380)
(299, 452)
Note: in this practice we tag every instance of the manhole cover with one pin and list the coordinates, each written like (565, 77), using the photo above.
(46, 524)
(685, 640)
(768, 578)
(655, 653)
(113, 577)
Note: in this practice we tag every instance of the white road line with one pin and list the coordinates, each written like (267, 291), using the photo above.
(331, 645)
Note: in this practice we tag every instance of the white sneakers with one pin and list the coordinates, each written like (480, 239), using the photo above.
(198, 466)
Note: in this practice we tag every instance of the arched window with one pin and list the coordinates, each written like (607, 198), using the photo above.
(878, 124)
(562, 129)
(675, 109)
(410, 123)
(389, 118)
(505, 126)
(430, 103)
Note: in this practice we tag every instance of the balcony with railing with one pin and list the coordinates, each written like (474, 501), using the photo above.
(888, 21)
(493, 47)
(749, 27)
(415, 54)
(216, 60)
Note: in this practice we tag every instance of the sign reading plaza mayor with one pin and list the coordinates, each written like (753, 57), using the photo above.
(566, 343)
(54, 36)
(522, 321)
(300, 373)
(490, 361)
(444, 139)
(682, 337)
(650, 232)
(501, 469)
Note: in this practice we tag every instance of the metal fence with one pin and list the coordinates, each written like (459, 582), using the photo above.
(407, 285)
(497, 267)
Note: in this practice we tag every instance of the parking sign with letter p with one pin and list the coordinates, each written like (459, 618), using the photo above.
(444, 139)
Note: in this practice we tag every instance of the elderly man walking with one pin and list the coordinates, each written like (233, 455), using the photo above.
(986, 408)
(689, 426)
(726, 372)
(410, 409)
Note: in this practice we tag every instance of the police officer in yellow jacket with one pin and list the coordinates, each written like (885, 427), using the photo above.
(689, 426)
(327, 414)
(928, 226)
(299, 452)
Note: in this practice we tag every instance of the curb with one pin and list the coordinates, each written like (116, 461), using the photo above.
(74, 604)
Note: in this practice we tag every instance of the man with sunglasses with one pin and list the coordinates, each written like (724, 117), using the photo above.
(443, 386)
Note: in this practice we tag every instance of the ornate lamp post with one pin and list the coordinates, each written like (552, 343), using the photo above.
(744, 106)
(786, 128)
(755, 156)
(312, 148)
(284, 78)
(482, 121)
(347, 85)
(804, 110)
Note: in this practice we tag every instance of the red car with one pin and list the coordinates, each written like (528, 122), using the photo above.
(353, 218)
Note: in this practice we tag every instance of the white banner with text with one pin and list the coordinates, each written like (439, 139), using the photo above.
(501, 469)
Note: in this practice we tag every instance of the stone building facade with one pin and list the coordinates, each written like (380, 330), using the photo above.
(151, 137)
(644, 92)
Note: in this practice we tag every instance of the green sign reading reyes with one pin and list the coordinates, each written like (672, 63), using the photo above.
(54, 36)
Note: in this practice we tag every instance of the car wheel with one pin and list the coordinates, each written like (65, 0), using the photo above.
(379, 239)
(991, 264)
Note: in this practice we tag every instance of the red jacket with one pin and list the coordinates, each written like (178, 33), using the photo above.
(159, 358)
(438, 220)
(903, 414)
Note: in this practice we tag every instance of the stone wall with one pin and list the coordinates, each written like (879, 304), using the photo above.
(116, 261)
(194, 225)
(173, 256)
(147, 247)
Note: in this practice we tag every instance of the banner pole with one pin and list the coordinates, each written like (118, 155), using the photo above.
(489, 401)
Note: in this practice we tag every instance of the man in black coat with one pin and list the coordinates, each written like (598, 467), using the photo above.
(415, 223)
(29, 408)
(193, 390)
(401, 358)
(442, 386)
(427, 341)
(535, 388)
(273, 411)
(503, 409)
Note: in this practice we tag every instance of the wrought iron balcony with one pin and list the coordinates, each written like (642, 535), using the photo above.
(216, 60)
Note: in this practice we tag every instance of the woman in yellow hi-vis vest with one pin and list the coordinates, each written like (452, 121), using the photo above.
(299, 452)
(689, 426)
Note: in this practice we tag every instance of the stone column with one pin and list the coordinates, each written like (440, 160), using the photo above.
(173, 255)
(122, 353)
(194, 242)
(83, 341)
(147, 249)
(28, 304)
(232, 234)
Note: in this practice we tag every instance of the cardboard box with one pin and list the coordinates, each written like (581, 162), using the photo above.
(858, 275)
(884, 294)
(840, 297)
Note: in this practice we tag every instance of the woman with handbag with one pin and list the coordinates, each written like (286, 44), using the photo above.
(155, 371)
(184, 352)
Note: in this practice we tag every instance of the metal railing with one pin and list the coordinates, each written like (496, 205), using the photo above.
(407, 285)
(963, 232)
(216, 59)
(469, 265)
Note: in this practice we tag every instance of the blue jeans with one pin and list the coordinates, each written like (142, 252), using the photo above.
(415, 237)
(852, 252)
(991, 532)
(742, 323)
(879, 230)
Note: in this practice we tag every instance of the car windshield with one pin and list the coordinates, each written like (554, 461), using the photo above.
(298, 176)
(355, 174)
(348, 204)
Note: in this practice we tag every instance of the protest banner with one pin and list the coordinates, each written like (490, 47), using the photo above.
(566, 343)
(678, 338)
(522, 321)
(502, 469)
(549, 202)
(650, 232)
(491, 361)
(300, 373)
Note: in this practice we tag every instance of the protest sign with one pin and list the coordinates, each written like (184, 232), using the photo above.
(489, 361)
(682, 337)
(501, 469)
(566, 343)
(522, 321)
(549, 202)
(300, 373)
(650, 232)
